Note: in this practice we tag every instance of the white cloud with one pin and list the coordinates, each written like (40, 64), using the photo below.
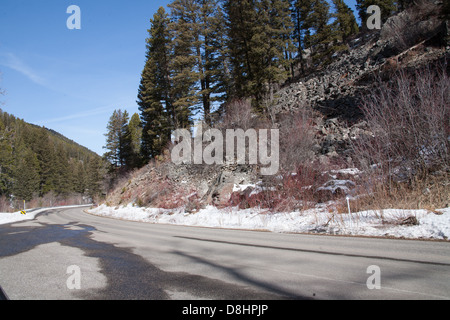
(79, 115)
(11, 61)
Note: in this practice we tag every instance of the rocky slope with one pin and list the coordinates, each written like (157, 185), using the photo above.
(334, 91)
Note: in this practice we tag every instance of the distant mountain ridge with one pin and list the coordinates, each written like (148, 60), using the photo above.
(57, 134)
(36, 162)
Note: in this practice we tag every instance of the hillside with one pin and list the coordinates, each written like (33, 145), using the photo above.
(371, 126)
(328, 99)
(42, 166)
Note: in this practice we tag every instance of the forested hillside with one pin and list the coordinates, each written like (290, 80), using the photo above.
(42, 165)
(343, 97)
(203, 54)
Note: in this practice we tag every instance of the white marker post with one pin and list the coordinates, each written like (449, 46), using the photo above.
(348, 204)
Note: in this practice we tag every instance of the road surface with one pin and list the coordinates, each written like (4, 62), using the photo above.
(69, 254)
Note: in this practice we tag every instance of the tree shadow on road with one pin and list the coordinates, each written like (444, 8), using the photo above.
(268, 291)
(130, 276)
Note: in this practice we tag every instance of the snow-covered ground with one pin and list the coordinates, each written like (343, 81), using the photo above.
(29, 214)
(384, 223)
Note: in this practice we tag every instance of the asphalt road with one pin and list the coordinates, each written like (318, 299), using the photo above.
(68, 254)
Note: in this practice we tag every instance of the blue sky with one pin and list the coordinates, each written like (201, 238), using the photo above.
(72, 80)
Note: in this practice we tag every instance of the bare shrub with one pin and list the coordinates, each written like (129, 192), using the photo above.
(292, 190)
(296, 138)
(302, 185)
(5, 205)
(240, 120)
(50, 199)
(239, 114)
(409, 150)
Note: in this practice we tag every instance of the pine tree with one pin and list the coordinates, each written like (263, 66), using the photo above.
(345, 20)
(35, 161)
(259, 39)
(183, 28)
(79, 177)
(63, 185)
(134, 136)
(301, 12)
(94, 177)
(155, 95)
(240, 29)
(116, 139)
(26, 182)
(47, 159)
(112, 141)
(278, 30)
(6, 159)
(318, 21)
(321, 37)
(210, 57)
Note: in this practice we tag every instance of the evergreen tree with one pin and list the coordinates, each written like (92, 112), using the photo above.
(278, 31)
(6, 159)
(134, 136)
(259, 42)
(210, 55)
(240, 28)
(155, 96)
(345, 20)
(183, 29)
(26, 182)
(80, 177)
(321, 37)
(47, 159)
(63, 183)
(94, 177)
(116, 139)
(318, 21)
(35, 161)
(301, 11)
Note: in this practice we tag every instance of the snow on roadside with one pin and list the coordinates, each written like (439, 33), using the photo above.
(318, 220)
(30, 214)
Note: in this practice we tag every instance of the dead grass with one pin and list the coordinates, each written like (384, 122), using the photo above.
(430, 194)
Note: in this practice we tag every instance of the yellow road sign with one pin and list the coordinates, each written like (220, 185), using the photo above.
(23, 212)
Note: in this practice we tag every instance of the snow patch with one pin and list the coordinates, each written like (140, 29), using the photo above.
(30, 214)
(380, 223)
